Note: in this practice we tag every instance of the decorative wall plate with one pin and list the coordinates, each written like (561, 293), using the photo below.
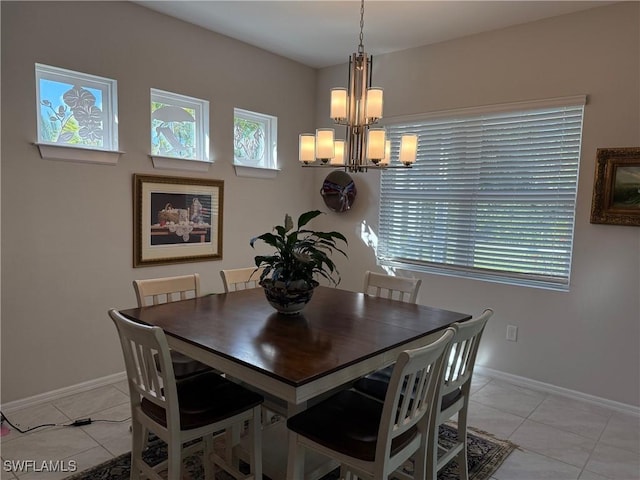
(338, 191)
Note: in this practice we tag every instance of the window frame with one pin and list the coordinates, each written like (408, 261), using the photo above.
(269, 166)
(508, 276)
(200, 160)
(109, 89)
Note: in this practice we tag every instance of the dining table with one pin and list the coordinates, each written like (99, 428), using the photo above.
(339, 337)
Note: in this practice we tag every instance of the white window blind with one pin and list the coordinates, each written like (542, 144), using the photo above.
(492, 194)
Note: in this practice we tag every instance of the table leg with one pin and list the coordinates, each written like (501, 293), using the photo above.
(295, 454)
(295, 460)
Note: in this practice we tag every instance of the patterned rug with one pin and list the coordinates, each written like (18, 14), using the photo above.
(485, 455)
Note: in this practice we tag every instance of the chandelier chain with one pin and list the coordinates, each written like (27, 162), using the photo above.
(361, 45)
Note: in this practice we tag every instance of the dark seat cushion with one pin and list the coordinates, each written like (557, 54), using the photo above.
(205, 399)
(376, 384)
(184, 366)
(348, 423)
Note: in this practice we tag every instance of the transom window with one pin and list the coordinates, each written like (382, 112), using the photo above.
(179, 126)
(491, 196)
(76, 109)
(254, 139)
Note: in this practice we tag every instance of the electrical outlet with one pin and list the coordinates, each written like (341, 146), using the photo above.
(512, 333)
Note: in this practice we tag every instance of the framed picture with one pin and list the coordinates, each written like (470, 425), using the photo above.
(176, 220)
(616, 191)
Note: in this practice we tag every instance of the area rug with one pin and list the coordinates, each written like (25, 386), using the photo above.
(485, 455)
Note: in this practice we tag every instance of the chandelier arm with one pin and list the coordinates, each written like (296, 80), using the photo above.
(359, 168)
(345, 123)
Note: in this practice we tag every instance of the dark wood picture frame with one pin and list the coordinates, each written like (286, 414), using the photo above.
(176, 219)
(616, 190)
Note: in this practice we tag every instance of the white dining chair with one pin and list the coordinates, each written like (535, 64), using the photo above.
(452, 397)
(388, 286)
(240, 278)
(371, 439)
(199, 407)
(155, 291)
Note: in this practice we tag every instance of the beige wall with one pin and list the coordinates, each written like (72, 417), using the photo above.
(588, 339)
(67, 256)
(66, 236)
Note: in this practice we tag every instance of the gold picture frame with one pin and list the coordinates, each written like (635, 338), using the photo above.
(616, 191)
(176, 220)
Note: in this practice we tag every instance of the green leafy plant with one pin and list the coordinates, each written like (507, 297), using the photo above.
(300, 254)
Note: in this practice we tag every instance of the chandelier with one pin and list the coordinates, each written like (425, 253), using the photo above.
(358, 108)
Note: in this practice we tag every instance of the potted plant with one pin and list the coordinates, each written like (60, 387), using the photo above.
(301, 255)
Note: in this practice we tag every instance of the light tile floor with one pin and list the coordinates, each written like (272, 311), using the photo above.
(559, 438)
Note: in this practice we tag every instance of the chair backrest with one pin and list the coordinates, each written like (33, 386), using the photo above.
(462, 354)
(417, 371)
(240, 278)
(167, 289)
(396, 288)
(149, 367)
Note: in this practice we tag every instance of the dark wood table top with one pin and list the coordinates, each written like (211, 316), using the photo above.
(336, 329)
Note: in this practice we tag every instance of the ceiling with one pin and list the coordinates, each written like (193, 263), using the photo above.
(324, 33)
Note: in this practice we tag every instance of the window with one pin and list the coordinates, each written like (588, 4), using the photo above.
(76, 109)
(179, 126)
(254, 142)
(491, 196)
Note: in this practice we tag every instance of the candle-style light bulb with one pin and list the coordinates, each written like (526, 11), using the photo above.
(307, 148)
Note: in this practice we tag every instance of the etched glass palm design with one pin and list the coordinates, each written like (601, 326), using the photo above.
(173, 130)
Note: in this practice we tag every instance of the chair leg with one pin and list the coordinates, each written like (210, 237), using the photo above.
(137, 431)
(420, 461)
(255, 439)
(207, 458)
(174, 450)
(461, 458)
(346, 473)
(431, 460)
(145, 438)
(231, 438)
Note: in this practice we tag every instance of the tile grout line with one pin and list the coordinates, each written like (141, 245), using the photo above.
(591, 450)
(545, 396)
(596, 445)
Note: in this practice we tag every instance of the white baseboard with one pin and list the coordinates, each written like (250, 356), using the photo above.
(63, 392)
(565, 392)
